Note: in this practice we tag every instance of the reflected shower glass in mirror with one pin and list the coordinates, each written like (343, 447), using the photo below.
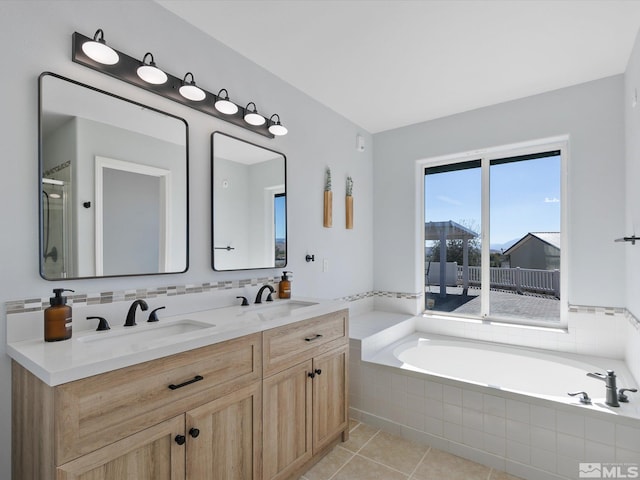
(249, 204)
(114, 191)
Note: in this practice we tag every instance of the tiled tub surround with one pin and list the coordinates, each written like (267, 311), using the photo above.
(529, 437)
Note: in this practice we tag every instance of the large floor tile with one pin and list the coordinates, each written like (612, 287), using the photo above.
(329, 465)
(360, 468)
(502, 476)
(358, 437)
(353, 424)
(394, 451)
(438, 465)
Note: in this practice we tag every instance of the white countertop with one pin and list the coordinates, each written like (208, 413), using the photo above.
(85, 354)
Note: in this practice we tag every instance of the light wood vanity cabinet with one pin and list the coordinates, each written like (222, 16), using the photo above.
(129, 423)
(150, 454)
(304, 392)
(263, 406)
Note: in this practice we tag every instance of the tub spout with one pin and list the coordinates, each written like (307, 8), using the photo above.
(610, 385)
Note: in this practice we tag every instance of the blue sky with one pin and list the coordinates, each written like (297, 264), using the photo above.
(525, 197)
(280, 204)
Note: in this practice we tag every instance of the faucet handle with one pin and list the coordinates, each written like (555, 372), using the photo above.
(621, 395)
(245, 302)
(584, 399)
(102, 324)
(153, 316)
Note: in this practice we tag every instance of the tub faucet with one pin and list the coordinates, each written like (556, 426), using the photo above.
(262, 289)
(131, 315)
(610, 385)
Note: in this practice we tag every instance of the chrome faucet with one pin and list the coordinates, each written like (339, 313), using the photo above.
(610, 385)
(131, 315)
(262, 289)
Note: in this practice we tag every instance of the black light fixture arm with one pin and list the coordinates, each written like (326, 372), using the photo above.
(187, 82)
(125, 70)
(151, 62)
(99, 36)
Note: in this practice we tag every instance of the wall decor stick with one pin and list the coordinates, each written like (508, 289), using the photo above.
(349, 204)
(328, 200)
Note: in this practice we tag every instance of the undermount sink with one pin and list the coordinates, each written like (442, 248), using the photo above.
(143, 333)
(281, 309)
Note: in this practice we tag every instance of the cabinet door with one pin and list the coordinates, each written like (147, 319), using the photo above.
(224, 437)
(286, 421)
(152, 454)
(329, 396)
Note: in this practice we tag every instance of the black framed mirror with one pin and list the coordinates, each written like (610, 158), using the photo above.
(113, 178)
(249, 205)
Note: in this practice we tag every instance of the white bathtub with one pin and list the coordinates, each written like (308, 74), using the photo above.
(506, 407)
(527, 371)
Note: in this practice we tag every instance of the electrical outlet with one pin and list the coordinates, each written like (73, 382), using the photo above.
(325, 265)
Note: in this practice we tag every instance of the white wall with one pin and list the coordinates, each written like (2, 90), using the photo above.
(37, 36)
(232, 224)
(591, 114)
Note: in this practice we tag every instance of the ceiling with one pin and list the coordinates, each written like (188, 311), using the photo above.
(384, 64)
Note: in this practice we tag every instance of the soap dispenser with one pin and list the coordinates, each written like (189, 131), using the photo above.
(284, 289)
(57, 318)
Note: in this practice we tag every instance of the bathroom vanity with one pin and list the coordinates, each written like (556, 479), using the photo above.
(263, 398)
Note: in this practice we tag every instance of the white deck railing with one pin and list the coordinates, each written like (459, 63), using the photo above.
(519, 279)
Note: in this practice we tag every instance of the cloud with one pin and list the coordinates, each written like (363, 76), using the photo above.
(449, 200)
(551, 200)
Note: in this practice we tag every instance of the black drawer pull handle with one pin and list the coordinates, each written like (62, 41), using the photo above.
(180, 439)
(195, 379)
(194, 432)
(318, 371)
(314, 337)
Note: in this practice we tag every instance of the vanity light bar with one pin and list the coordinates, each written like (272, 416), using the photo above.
(126, 70)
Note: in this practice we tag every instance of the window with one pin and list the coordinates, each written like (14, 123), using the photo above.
(492, 231)
(280, 229)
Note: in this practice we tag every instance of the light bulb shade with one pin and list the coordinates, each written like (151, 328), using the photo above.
(190, 91)
(277, 128)
(150, 73)
(252, 117)
(224, 105)
(99, 51)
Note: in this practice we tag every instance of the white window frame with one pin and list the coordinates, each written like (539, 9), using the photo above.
(485, 155)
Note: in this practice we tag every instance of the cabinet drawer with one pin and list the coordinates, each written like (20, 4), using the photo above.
(96, 411)
(290, 344)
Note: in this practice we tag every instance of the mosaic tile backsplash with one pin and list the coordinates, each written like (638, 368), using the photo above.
(37, 304)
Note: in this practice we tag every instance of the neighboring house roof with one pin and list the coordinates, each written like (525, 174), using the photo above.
(550, 238)
(452, 231)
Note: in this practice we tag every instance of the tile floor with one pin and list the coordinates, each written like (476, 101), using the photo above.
(373, 454)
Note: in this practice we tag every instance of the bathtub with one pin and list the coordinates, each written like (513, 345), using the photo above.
(502, 406)
(520, 370)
